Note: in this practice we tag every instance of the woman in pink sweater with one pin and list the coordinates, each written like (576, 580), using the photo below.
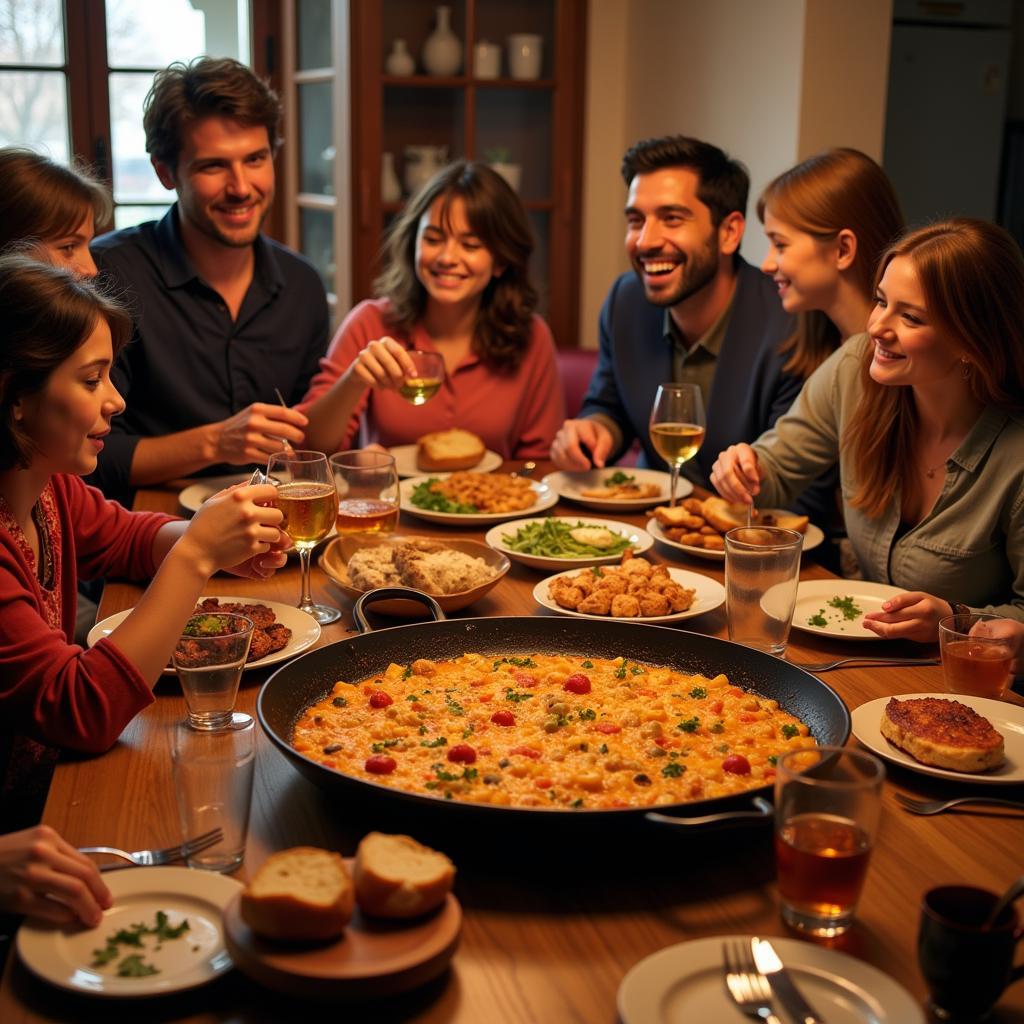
(56, 402)
(456, 283)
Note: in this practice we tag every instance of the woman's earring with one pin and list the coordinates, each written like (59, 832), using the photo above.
(965, 368)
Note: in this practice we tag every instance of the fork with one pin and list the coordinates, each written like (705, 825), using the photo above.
(746, 985)
(908, 803)
(825, 666)
(152, 858)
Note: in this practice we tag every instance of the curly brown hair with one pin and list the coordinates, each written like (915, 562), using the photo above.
(207, 87)
(47, 313)
(497, 218)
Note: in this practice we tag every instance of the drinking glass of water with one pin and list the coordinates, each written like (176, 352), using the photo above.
(677, 426)
(209, 658)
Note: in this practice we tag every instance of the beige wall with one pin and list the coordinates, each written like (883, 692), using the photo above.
(770, 82)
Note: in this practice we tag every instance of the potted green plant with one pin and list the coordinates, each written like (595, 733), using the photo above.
(500, 160)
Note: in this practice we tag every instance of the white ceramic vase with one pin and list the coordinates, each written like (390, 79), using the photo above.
(421, 164)
(390, 186)
(399, 60)
(442, 52)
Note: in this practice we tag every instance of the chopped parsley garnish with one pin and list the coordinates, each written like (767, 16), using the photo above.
(412, 698)
(518, 662)
(689, 724)
(789, 731)
(620, 672)
(638, 670)
(376, 748)
(603, 749)
(617, 478)
(468, 731)
(819, 619)
(673, 770)
(586, 664)
(454, 706)
(516, 698)
(439, 742)
(340, 702)
(847, 606)
(717, 727)
(698, 692)
(133, 965)
(577, 803)
(406, 673)
(588, 715)
(772, 759)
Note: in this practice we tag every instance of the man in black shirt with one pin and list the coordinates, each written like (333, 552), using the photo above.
(223, 314)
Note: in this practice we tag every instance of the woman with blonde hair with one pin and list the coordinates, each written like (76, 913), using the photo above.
(925, 416)
(828, 221)
(456, 282)
(53, 205)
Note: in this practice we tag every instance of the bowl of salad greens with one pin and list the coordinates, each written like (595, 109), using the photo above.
(567, 542)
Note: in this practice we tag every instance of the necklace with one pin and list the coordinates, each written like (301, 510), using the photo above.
(930, 471)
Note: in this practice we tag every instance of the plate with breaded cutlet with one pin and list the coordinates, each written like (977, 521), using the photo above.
(949, 735)
(280, 631)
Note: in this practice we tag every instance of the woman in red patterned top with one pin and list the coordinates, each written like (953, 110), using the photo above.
(456, 283)
(56, 402)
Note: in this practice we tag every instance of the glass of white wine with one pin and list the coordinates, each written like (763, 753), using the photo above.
(309, 500)
(677, 426)
(427, 380)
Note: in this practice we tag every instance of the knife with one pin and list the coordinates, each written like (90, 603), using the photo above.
(769, 964)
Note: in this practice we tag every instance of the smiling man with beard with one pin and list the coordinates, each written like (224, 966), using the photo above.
(223, 315)
(692, 311)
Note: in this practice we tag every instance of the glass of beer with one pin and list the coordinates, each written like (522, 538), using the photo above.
(827, 809)
(677, 426)
(427, 380)
(974, 662)
(367, 483)
(309, 501)
(208, 659)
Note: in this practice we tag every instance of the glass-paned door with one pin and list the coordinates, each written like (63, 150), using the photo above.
(33, 77)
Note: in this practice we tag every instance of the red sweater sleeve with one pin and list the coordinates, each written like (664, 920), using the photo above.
(51, 689)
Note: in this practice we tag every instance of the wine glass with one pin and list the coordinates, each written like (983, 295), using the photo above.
(677, 426)
(367, 483)
(427, 380)
(307, 497)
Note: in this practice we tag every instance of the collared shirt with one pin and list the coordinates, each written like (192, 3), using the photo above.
(189, 363)
(968, 548)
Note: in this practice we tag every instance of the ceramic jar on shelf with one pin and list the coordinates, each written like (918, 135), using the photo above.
(399, 60)
(525, 52)
(442, 52)
(390, 186)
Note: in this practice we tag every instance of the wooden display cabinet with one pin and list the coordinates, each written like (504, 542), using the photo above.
(536, 123)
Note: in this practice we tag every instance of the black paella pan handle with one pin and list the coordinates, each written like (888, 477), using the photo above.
(390, 593)
(765, 812)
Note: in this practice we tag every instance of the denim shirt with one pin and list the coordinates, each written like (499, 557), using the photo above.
(969, 548)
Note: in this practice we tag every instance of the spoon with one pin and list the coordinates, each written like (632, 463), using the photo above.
(1016, 889)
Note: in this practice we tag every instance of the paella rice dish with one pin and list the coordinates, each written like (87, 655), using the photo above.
(549, 731)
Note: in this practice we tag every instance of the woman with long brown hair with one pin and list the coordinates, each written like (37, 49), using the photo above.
(456, 282)
(828, 221)
(925, 416)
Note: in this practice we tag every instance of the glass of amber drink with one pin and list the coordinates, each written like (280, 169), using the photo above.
(427, 380)
(827, 809)
(367, 483)
(309, 501)
(973, 661)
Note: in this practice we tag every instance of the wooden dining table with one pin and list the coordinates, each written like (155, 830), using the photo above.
(552, 925)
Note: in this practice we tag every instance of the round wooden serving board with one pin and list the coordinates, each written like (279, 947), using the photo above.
(374, 957)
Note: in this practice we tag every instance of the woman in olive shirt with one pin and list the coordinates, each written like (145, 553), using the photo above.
(925, 416)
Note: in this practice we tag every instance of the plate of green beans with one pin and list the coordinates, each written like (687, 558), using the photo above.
(567, 542)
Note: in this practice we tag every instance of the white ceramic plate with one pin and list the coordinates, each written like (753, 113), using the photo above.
(813, 596)
(813, 536)
(405, 461)
(710, 595)
(683, 984)
(305, 629)
(193, 496)
(1006, 718)
(640, 539)
(571, 486)
(545, 498)
(62, 956)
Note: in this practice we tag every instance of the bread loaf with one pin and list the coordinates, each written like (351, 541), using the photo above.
(395, 876)
(449, 450)
(301, 894)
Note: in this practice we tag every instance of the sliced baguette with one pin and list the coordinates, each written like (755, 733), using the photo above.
(723, 515)
(395, 876)
(449, 450)
(301, 894)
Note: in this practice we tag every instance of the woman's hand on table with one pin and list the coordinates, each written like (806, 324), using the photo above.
(736, 474)
(381, 364)
(911, 616)
(43, 876)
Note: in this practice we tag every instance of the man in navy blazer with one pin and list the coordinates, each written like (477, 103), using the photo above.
(692, 310)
